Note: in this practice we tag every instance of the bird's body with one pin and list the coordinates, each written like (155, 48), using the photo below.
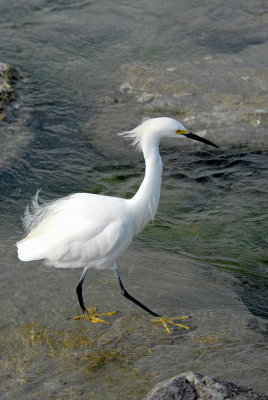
(80, 231)
(89, 230)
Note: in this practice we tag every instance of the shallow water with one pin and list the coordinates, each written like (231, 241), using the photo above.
(206, 253)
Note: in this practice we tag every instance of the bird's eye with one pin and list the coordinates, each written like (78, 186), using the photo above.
(181, 131)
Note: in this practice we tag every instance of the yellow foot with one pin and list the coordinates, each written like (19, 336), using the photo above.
(90, 315)
(165, 321)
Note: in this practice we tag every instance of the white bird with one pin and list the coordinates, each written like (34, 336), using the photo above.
(89, 230)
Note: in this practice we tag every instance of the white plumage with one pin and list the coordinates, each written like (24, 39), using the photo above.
(78, 231)
(89, 230)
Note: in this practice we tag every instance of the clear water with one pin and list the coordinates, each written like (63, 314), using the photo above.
(206, 253)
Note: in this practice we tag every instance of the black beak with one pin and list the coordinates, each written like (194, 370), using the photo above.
(191, 135)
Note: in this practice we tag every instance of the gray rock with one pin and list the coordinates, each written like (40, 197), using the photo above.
(193, 386)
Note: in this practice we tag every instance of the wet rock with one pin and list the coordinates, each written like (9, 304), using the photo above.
(193, 386)
(8, 75)
(15, 114)
(126, 88)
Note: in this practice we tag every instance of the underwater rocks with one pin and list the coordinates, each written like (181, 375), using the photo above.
(193, 386)
(213, 95)
(221, 96)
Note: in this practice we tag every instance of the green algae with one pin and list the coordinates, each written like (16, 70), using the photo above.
(63, 344)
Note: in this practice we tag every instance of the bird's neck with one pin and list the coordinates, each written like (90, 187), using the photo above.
(145, 201)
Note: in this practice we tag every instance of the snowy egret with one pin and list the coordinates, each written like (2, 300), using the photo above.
(90, 230)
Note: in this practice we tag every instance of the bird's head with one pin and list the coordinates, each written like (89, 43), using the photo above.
(152, 130)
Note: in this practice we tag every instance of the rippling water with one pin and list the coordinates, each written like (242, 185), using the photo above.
(206, 253)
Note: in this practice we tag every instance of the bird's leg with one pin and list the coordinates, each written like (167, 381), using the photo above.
(79, 290)
(159, 319)
(129, 297)
(89, 314)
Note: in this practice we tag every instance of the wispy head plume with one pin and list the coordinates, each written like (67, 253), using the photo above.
(136, 135)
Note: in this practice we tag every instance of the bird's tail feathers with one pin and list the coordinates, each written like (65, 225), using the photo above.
(35, 212)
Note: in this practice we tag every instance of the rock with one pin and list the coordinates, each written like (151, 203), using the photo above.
(15, 114)
(8, 75)
(193, 386)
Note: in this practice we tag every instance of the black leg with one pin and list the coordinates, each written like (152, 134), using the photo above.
(129, 297)
(79, 290)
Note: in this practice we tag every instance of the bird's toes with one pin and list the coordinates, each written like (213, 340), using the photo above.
(165, 321)
(90, 315)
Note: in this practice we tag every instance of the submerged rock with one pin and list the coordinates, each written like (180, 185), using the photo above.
(221, 96)
(193, 386)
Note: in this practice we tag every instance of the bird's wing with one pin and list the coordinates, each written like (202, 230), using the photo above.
(102, 248)
(75, 215)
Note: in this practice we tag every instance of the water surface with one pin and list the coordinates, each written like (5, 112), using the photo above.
(205, 255)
